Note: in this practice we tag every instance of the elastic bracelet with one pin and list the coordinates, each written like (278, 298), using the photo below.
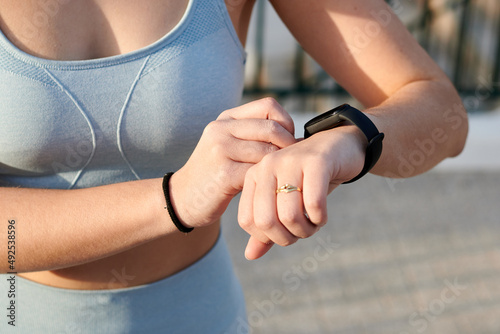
(169, 207)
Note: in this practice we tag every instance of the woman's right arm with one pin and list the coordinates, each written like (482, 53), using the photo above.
(62, 228)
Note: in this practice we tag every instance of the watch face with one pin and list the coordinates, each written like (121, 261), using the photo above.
(325, 121)
(339, 108)
(346, 113)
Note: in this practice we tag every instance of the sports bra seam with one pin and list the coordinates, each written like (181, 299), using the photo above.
(122, 115)
(83, 112)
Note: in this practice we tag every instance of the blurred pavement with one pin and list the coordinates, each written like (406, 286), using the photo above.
(417, 256)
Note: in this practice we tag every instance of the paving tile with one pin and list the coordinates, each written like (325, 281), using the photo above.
(421, 258)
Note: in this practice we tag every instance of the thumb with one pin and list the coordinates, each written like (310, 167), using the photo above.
(256, 248)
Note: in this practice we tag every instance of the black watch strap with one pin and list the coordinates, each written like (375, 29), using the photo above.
(345, 113)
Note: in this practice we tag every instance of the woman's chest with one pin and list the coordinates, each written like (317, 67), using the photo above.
(129, 116)
(77, 30)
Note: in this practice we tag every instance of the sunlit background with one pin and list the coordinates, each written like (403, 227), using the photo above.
(462, 36)
(420, 255)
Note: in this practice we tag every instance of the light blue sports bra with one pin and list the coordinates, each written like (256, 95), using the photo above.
(77, 124)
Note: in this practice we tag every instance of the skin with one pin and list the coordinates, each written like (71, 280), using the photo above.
(405, 94)
(371, 54)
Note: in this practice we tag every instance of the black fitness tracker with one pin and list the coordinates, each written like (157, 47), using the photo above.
(345, 113)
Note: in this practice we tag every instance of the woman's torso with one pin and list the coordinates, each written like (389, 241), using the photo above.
(71, 30)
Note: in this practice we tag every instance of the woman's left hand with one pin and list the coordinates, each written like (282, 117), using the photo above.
(316, 165)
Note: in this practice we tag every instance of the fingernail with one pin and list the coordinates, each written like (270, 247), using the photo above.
(246, 257)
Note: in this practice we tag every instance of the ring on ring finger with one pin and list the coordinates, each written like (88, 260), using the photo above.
(287, 188)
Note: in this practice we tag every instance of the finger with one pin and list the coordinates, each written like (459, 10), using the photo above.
(291, 215)
(314, 196)
(249, 151)
(265, 213)
(256, 249)
(290, 207)
(266, 108)
(246, 212)
(261, 130)
(245, 206)
(238, 175)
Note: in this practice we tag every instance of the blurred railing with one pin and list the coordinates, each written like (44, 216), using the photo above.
(462, 36)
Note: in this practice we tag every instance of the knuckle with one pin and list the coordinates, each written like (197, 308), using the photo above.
(310, 233)
(226, 170)
(298, 229)
(313, 205)
(267, 162)
(264, 224)
(270, 103)
(289, 218)
(211, 128)
(301, 234)
(274, 127)
(288, 242)
(322, 220)
(244, 221)
(226, 114)
(270, 148)
(316, 213)
(218, 151)
(259, 151)
(250, 175)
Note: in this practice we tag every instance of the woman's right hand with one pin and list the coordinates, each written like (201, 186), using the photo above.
(99, 222)
(202, 189)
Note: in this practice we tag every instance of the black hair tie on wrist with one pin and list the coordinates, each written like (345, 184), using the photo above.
(169, 207)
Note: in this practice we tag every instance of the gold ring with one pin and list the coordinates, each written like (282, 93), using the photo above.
(287, 188)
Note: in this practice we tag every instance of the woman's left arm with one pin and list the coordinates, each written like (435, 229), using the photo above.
(366, 48)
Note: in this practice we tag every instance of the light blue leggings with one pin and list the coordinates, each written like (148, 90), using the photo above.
(204, 298)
